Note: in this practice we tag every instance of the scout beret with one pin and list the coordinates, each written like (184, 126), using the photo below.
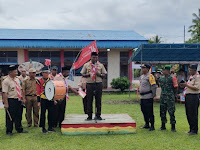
(12, 67)
(94, 54)
(167, 67)
(66, 68)
(54, 68)
(145, 66)
(45, 69)
(193, 66)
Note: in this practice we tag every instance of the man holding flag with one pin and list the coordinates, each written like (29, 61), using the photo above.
(94, 72)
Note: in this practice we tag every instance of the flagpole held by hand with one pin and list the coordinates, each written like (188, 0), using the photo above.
(9, 114)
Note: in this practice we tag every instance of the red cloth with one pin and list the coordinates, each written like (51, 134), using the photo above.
(85, 55)
(40, 87)
(47, 62)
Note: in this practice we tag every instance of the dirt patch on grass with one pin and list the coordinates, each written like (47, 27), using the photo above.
(122, 102)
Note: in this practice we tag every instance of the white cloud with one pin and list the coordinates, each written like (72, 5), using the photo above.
(147, 17)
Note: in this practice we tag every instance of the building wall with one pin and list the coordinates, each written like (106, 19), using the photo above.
(113, 65)
(113, 62)
(20, 56)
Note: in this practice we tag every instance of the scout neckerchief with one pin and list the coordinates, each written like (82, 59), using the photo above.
(66, 84)
(18, 90)
(190, 79)
(94, 68)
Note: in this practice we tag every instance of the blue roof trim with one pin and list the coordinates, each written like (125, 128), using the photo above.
(167, 53)
(67, 44)
(39, 34)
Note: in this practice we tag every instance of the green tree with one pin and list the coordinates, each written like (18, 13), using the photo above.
(155, 39)
(194, 29)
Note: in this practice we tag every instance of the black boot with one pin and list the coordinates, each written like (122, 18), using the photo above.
(146, 126)
(162, 127)
(152, 128)
(173, 128)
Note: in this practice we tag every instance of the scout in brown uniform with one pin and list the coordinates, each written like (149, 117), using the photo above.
(23, 76)
(61, 104)
(94, 71)
(11, 99)
(82, 86)
(30, 98)
(192, 90)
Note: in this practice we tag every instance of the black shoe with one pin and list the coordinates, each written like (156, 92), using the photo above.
(97, 118)
(192, 133)
(162, 127)
(173, 129)
(151, 128)
(146, 126)
(51, 130)
(22, 131)
(9, 133)
(44, 130)
(89, 118)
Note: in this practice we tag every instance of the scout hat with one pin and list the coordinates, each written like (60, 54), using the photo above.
(32, 70)
(45, 69)
(193, 66)
(145, 66)
(54, 68)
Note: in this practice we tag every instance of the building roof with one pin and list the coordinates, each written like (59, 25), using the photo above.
(39, 34)
(167, 54)
(38, 38)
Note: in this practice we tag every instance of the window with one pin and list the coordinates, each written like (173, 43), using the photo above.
(124, 56)
(40, 56)
(8, 57)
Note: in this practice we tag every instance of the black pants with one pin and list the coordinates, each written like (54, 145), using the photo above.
(147, 110)
(15, 112)
(85, 104)
(59, 114)
(191, 108)
(46, 105)
(94, 90)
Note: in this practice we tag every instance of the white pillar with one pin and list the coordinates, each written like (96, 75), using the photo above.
(113, 65)
(20, 56)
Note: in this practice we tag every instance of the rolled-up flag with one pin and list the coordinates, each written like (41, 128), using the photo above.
(47, 62)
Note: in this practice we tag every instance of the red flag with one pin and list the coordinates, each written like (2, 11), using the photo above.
(47, 62)
(85, 55)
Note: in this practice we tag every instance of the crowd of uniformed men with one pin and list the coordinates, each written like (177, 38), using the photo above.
(28, 91)
(169, 86)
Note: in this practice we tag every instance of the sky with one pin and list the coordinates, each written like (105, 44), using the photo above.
(146, 17)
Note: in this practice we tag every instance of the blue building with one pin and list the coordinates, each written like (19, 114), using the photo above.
(62, 46)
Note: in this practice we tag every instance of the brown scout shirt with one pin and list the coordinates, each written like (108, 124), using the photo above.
(29, 87)
(87, 69)
(82, 83)
(8, 86)
(195, 81)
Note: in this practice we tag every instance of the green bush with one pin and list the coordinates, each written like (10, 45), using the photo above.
(120, 83)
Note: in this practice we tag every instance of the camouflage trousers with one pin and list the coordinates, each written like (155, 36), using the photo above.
(167, 103)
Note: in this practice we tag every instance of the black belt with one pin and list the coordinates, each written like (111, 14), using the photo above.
(144, 93)
(31, 95)
(95, 83)
(192, 94)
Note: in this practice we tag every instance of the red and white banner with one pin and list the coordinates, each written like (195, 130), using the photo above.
(85, 55)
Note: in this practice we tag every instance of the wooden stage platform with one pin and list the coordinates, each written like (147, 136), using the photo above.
(75, 124)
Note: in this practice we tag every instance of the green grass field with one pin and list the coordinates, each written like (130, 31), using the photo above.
(143, 139)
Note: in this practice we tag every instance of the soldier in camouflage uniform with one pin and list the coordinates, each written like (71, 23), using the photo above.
(167, 99)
